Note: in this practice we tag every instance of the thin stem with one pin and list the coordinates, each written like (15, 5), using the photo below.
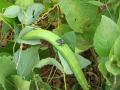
(50, 73)
(18, 61)
(65, 84)
(14, 48)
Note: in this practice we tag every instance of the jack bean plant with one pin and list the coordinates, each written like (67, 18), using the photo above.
(69, 28)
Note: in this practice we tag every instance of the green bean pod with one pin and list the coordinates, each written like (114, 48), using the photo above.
(64, 50)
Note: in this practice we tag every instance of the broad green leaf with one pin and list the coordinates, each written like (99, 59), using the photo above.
(35, 9)
(24, 18)
(62, 29)
(118, 22)
(83, 41)
(114, 69)
(112, 1)
(79, 14)
(114, 59)
(7, 68)
(19, 83)
(70, 39)
(49, 61)
(25, 60)
(96, 3)
(4, 4)
(6, 20)
(83, 62)
(116, 51)
(31, 14)
(4, 54)
(5, 29)
(12, 11)
(105, 36)
(24, 3)
(16, 30)
(111, 64)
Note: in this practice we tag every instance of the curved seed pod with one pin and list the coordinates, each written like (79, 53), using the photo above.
(64, 49)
